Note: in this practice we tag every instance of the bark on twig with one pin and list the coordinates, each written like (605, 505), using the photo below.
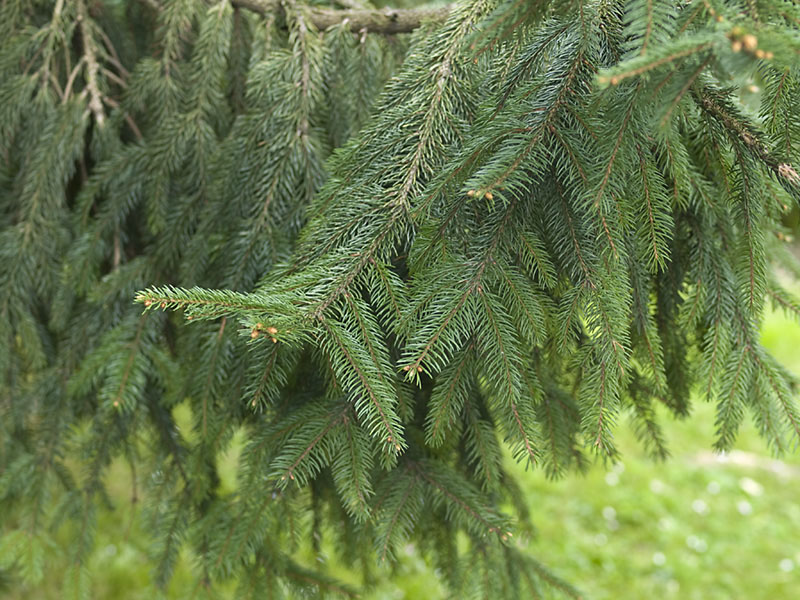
(385, 20)
(784, 171)
(92, 67)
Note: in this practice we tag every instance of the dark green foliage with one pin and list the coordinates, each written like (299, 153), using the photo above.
(400, 254)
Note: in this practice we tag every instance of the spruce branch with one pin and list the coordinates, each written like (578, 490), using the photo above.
(385, 21)
(743, 132)
(92, 66)
(499, 253)
(439, 83)
(643, 64)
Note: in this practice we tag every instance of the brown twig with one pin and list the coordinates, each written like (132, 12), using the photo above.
(92, 67)
(385, 21)
(784, 171)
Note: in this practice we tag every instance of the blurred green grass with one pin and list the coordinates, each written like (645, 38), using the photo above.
(693, 527)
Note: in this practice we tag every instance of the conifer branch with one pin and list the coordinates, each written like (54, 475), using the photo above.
(387, 21)
(386, 419)
(648, 202)
(533, 251)
(426, 473)
(335, 419)
(445, 395)
(744, 133)
(318, 580)
(92, 66)
(482, 443)
(781, 393)
(397, 512)
(548, 423)
(643, 64)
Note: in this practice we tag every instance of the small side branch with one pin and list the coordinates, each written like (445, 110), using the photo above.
(385, 21)
(92, 67)
(784, 171)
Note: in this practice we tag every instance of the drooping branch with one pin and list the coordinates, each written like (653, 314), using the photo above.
(92, 67)
(783, 171)
(386, 21)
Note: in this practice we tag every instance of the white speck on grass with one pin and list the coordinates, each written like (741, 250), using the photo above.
(744, 507)
(666, 524)
(618, 468)
(612, 478)
(659, 559)
(713, 487)
(786, 565)
(609, 513)
(751, 487)
(697, 544)
(612, 524)
(700, 507)
(657, 486)
(600, 539)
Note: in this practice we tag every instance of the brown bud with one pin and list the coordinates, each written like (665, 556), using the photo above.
(489, 196)
(274, 341)
(760, 54)
(272, 330)
(750, 42)
(769, 55)
(259, 326)
(419, 368)
(614, 80)
(471, 193)
(116, 403)
(254, 334)
(736, 46)
(163, 305)
(407, 368)
(148, 302)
